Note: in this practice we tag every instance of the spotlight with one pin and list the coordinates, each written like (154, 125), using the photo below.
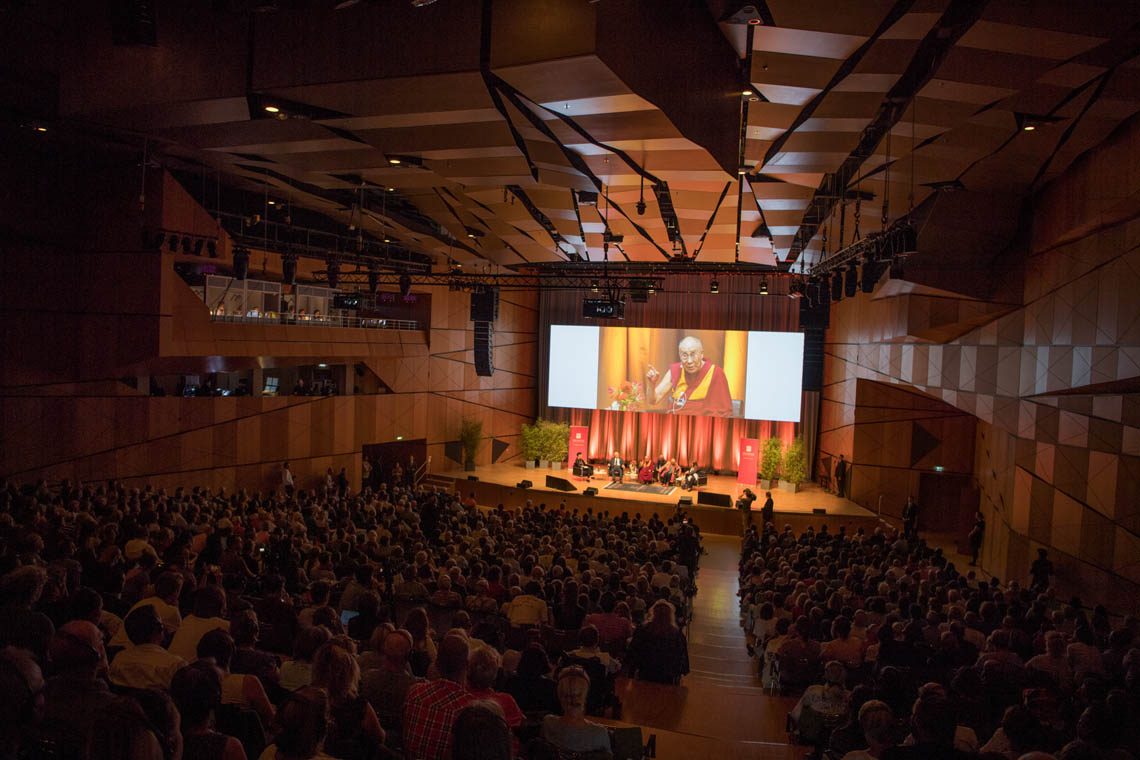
(837, 286)
(211, 249)
(405, 285)
(272, 109)
(474, 233)
(40, 128)
(746, 92)
(763, 287)
(159, 239)
(714, 287)
(594, 285)
(187, 245)
(198, 245)
(332, 269)
(640, 208)
(391, 189)
(742, 171)
(851, 280)
(172, 244)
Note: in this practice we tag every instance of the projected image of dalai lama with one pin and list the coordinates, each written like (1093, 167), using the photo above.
(692, 385)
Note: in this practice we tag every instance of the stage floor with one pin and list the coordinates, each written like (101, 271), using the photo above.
(810, 496)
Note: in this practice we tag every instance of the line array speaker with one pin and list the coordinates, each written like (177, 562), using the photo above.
(485, 305)
(484, 344)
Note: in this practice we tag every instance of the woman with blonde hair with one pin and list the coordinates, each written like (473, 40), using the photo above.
(354, 730)
(659, 651)
(570, 731)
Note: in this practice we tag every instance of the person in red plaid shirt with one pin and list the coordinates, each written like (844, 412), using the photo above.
(432, 707)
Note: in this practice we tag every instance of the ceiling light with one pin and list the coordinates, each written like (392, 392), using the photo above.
(394, 161)
(742, 171)
(714, 287)
(399, 438)
(272, 203)
(594, 285)
(41, 128)
(746, 93)
(272, 109)
(763, 287)
(322, 365)
(387, 240)
(1029, 128)
(754, 22)
(391, 189)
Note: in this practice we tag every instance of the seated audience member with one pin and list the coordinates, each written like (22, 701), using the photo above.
(531, 685)
(443, 596)
(613, 629)
(827, 700)
(373, 657)
(482, 672)
(843, 646)
(361, 626)
(481, 733)
(354, 729)
(76, 702)
(571, 731)
(431, 707)
(275, 610)
(197, 691)
(298, 672)
(1055, 662)
(318, 596)
(301, 726)
(933, 724)
(209, 608)
(145, 664)
(22, 683)
(589, 649)
(386, 688)
(248, 659)
(658, 650)
(1018, 733)
(424, 651)
(528, 608)
(878, 725)
(360, 584)
(167, 590)
(239, 689)
(20, 624)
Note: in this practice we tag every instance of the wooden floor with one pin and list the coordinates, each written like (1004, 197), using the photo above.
(720, 709)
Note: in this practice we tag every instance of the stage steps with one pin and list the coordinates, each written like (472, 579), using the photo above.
(439, 481)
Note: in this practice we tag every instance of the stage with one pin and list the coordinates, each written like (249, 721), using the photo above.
(498, 484)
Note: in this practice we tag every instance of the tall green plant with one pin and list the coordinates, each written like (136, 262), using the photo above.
(530, 442)
(795, 462)
(470, 437)
(555, 438)
(771, 454)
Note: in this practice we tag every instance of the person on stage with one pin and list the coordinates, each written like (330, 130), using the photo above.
(646, 474)
(667, 473)
(692, 477)
(582, 468)
(744, 504)
(692, 385)
(617, 468)
(768, 511)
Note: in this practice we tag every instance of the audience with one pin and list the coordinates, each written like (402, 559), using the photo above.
(571, 731)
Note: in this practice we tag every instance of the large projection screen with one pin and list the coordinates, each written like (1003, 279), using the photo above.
(717, 373)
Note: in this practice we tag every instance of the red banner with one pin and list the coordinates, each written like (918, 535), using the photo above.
(749, 448)
(579, 443)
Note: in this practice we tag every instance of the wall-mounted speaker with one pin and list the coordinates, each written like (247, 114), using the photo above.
(559, 484)
(711, 499)
(484, 343)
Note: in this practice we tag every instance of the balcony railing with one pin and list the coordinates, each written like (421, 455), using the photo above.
(271, 318)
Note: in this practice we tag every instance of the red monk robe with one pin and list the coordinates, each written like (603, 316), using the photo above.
(703, 392)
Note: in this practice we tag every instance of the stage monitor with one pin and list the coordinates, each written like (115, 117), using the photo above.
(715, 373)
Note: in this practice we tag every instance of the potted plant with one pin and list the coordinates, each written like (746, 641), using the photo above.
(794, 471)
(771, 454)
(554, 443)
(470, 436)
(530, 442)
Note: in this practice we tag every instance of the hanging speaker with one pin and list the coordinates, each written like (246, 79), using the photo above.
(485, 305)
(851, 280)
(837, 286)
(484, 343)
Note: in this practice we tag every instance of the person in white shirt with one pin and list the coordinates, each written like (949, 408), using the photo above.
(878, 725)
(588, 649)
(209, 607)
(167, 590)
(145, 664)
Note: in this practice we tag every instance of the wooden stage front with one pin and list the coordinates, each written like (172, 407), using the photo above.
(498, 484)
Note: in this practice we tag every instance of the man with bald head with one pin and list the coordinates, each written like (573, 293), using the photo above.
(432, 707)
(692, 385)
(386, 687)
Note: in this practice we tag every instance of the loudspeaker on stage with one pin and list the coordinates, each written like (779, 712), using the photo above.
(714, 499)
(559, 484)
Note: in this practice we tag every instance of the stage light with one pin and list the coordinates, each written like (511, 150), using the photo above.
(173, 243)
(714, 287)
(212, 249)
(851, 280)
(272, 109)
(742, 170)
(837, 286)
(746, 93)
(594, 285)
(763, 287)
(187, 245)
(41, 129)
(391, 189)
(405, 285)
(198, 245)
(159, 239)
(1029, 127)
